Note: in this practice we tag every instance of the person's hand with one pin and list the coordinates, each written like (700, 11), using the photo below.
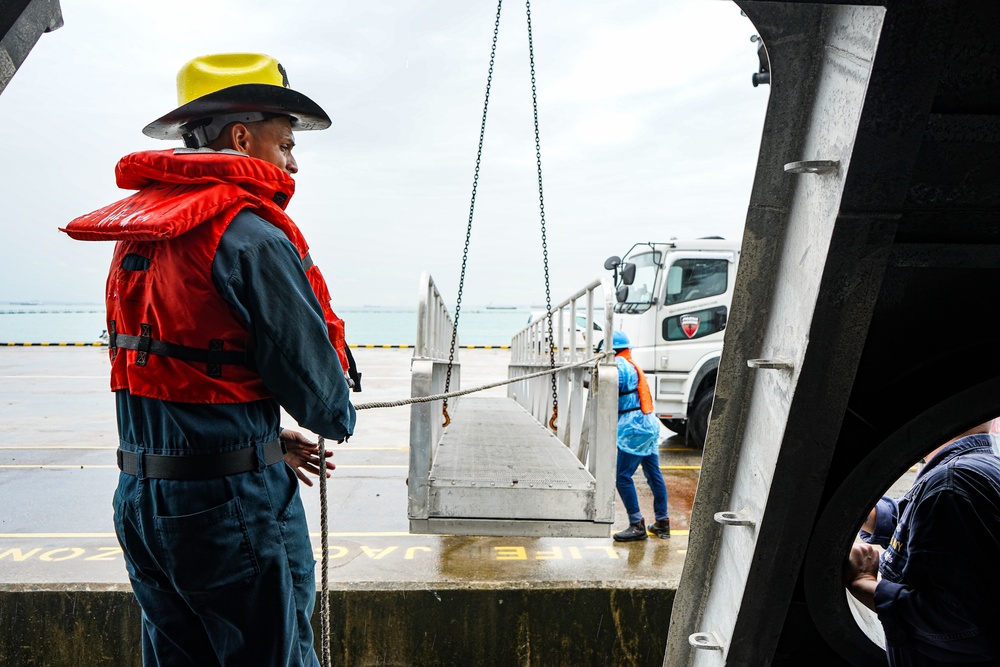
(860, 574)
(862, 563)
(303, 456)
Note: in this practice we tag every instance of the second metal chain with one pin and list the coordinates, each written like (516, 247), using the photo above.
(541, 207)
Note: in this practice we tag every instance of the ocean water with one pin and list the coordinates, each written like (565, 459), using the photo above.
(370, 325)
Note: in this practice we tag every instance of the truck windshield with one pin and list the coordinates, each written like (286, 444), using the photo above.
(642, 289)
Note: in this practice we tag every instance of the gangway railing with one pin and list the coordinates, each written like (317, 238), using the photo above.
(498, 469)
(428, 374)
(578, 323)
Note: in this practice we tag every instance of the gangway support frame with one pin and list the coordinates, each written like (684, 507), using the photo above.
(497, 469)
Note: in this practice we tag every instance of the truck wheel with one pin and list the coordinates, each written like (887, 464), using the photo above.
(698, 421)
(678, 426)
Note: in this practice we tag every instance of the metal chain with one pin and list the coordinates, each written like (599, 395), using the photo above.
(541, 207)
(472, 208)
(325, 586)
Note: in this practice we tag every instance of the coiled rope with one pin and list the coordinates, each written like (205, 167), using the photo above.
(324, 604)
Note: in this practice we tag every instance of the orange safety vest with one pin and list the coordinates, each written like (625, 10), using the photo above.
(645, 397)
(179, 338)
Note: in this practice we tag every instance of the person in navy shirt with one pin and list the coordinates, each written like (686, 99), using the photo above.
(938, 597)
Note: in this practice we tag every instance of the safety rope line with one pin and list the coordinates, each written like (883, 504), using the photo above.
(472, 208)
(324, 604)
(541, 207)
(463, 392)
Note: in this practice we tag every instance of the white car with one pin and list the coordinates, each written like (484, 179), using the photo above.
(580, 332)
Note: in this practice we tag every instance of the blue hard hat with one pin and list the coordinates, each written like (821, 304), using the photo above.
(620, 341)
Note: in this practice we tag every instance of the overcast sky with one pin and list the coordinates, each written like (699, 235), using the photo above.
(649, 124)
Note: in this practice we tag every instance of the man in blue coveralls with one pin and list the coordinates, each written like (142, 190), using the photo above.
(939, 595)
(217, 318)
(638, 440)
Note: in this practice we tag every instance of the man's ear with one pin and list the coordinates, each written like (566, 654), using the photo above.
(241, 138)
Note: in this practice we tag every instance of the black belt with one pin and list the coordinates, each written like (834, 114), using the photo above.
(199, 466)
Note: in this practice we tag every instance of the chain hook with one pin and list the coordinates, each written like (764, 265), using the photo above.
(541, 212)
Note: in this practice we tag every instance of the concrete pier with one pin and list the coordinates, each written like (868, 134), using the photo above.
(396, 598)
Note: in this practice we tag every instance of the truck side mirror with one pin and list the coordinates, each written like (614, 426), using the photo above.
(628, 273)
(622, 294)
(611, 264)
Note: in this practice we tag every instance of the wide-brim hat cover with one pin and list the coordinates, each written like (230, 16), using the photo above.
(235, 82)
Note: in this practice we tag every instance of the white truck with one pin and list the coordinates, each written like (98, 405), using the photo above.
(673, 302)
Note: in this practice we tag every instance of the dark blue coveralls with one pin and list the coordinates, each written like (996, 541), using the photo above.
(223, 568)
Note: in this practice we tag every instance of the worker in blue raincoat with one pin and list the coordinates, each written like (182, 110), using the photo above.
(638, 440)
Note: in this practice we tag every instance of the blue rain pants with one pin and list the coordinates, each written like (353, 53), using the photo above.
(627, 465)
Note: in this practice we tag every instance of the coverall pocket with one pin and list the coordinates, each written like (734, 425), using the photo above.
(295, 533)
(128, 538)
(207, 551)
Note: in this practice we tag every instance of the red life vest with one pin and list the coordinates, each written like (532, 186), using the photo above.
(172, 336)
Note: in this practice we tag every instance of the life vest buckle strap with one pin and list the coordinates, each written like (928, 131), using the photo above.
(214, 370)
(112, 339)
(214, 356)
(143, 345)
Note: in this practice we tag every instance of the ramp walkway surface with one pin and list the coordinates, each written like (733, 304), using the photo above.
(497, 462)
(532, 457)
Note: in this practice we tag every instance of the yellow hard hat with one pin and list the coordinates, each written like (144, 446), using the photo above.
(216, 90)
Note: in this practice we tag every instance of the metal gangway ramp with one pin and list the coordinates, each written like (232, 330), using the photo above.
(497, 468)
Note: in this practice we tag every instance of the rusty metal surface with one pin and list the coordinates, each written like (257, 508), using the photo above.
(22, 22)
(907, 233)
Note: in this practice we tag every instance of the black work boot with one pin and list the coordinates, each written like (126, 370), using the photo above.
(636, 531)
(661, 529)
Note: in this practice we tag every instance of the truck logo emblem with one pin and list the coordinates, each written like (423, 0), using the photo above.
(690, 325)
